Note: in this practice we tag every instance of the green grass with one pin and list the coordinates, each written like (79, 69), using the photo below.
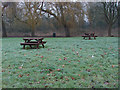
(82, 63)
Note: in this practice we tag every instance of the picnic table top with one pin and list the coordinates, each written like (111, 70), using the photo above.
(88, 36)
(33, 38)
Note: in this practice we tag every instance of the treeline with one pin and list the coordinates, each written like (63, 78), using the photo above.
(64, 19)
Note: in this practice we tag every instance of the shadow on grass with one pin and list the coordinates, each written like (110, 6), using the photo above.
(28, 47)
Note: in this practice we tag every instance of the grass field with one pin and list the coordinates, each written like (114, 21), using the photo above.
(63, 63)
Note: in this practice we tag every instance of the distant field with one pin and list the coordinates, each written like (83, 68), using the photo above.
(63, 63)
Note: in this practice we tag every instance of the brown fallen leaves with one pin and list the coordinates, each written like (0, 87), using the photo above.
(20, 67)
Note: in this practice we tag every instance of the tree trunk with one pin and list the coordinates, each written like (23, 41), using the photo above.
(67, 31)
(4, 34)
(33, 31)
(109, 30)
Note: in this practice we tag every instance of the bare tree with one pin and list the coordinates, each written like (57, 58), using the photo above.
(65, 13)
(111, 14)
(29, 12)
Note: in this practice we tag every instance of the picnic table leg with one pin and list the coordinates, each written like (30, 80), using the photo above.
(89, 38)
(23, 46)
(30, 46)
(94, 38)
(43, 45)
(37, 46)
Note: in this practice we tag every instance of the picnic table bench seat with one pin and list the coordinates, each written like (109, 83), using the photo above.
(37, 42)
(30, 44)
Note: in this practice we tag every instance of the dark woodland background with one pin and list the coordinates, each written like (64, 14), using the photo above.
(64, 19)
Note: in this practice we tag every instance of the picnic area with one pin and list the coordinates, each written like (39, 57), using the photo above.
(66, 45)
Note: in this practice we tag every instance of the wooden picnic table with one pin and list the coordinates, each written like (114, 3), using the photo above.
(89, 35)
(33, 42)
